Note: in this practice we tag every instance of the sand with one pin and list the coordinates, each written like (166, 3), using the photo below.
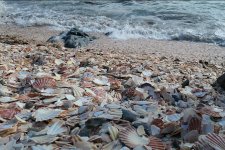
(189, 51)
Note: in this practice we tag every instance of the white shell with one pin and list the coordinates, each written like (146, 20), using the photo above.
(113, 132)
(44, 139)
(46, 114)
(56, 128)
(173, 117)
(42, 147)
(7, 99)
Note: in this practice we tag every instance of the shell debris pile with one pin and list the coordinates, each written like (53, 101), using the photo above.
(57, 98)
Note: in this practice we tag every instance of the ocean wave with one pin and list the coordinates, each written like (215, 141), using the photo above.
(172, 20)
(2, 8)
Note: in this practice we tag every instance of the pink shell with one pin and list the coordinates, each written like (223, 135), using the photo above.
(156, 144)
(43, 83)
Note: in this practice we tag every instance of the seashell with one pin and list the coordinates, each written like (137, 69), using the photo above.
(42, 147)
(70, 97)
(82, 144)
(191, 136)
(210, 112)
(43, 83)
(46, 114)
(113, 106)
(155, 130)
(58, 61)
(147, 73)
(173, 117)
(7, 99)
(158, 122)
(156, 144)
(56, 128)
(141, 130)
(130, 138)
(194, 124)
(112, 145)
(168, 128)
(4, 90)
(77, 91)
(128, 115)
(215, 141)
(8, 128)
(113, 132)
(44, 139)
(116, 112)
(210, 141)
(8, 113)
(102, 81)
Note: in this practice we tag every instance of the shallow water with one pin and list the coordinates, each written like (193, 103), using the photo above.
(201, 21)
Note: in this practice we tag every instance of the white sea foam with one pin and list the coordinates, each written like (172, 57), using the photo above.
(177, 20)
(2, 7)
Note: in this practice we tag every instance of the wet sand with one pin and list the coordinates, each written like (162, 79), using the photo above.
(189, 51)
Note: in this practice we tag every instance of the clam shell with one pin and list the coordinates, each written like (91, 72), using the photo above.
(46, 114)
(113, 132)
(194, 124)
(156, 144)
(42, 83)
(130, 138)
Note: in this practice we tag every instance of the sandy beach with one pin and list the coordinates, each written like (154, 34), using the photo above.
(132, 94)
(189, 51)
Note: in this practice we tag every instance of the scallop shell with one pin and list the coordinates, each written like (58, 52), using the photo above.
(156, 144)
(113, 132)
(130, 138)
(158, 122)
(46, 114)
(56, 128)
(215, 141)
(210, 141)
(82, 144)
(42, 83)
(44, 139)
(194, 124)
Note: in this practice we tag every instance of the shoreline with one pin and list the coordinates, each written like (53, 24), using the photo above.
(184, 50)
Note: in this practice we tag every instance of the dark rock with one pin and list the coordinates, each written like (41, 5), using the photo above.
(129, 116)
(85, 132)
(220, 81)
(72, 39)
(28, 105)
(37, 59)
(185, 83)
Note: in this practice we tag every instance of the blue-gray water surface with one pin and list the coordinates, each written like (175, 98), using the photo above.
(191, 20)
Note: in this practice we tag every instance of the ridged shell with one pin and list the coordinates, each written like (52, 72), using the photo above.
(43, 83)
(56, 128)
(194, 124)
(156, 144)
(158, 122)
(46, 114)
(113, 132)
(131, 139)
(210, 141)
(81, 144)
(44, 139)
(215, 141)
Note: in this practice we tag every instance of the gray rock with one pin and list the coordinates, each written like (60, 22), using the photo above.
(220, 81)
(72, 39)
